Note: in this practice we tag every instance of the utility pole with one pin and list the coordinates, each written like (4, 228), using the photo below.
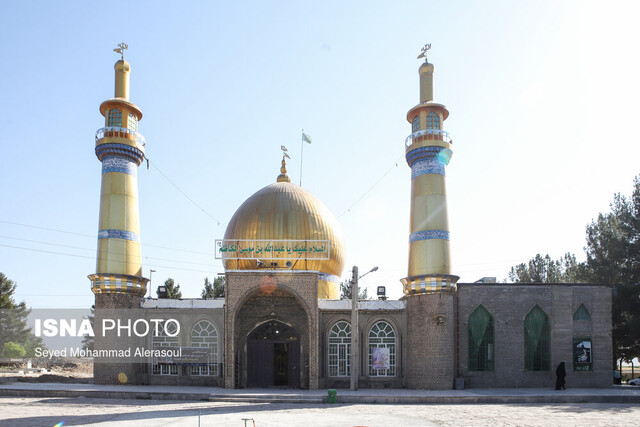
(355, 335)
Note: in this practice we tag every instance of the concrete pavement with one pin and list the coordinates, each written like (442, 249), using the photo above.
(615, 394)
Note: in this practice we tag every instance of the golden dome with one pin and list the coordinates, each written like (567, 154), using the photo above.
(285, 211)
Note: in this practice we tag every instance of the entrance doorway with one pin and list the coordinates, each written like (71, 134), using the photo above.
(273, 356)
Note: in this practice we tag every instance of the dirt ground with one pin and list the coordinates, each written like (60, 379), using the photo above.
(55, 371)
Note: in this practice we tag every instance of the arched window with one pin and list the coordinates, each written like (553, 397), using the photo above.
(340, 349)
(415, 124)
(132, 122)
(582, 313)
(537, 340)
(382, 350)
(480, 340)
(433, 121)
(163, 338)
(114, 118)
(204, 334)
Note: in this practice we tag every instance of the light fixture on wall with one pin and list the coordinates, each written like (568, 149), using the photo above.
(439, 318)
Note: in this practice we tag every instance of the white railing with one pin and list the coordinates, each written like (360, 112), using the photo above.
(438, 134)
(120, 132)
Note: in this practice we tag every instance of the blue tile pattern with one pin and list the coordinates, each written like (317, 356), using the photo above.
(113, 148)
(118, 234)
(427, 165)
(429, 234)
(119, 164)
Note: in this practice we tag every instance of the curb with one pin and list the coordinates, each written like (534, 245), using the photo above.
(316, 400)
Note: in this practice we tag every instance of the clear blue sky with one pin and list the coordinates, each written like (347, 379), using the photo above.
(543, 101)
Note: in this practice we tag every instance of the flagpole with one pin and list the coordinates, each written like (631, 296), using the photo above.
(301, 151)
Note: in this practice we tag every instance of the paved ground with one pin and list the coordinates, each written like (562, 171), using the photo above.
(19, 411)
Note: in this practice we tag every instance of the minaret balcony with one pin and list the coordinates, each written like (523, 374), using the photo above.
(120, 132)
(428, 134)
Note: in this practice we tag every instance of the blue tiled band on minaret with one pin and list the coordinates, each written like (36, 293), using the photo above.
(118, 234)
(428, 235)
(113, 148)
(426, 165)
(119, 164)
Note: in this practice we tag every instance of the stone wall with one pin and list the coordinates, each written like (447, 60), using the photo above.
(509, 304)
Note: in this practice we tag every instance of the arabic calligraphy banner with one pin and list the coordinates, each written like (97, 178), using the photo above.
(272, 249)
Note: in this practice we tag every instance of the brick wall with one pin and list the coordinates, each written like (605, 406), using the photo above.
(294, 301)
(509, 304)
(430, 348)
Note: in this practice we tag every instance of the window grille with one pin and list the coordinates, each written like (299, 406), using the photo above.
(132, 122)
(582, 313)
(382, 335)
(114, 118)
(480, 340)
(433, 121)
(204, 334)
(537, 340)
(340, 349)
(415, 124)
(162, 339)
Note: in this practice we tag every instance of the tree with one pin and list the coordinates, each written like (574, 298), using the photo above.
(13, 350)
(345, 291)
(543, 269)
(213, 289)
(613, 256)
(13, 320)
(173, 290)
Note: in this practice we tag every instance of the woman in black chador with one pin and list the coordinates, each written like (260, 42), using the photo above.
(560, 374)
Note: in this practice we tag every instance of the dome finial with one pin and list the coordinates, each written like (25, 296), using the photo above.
(283, 177)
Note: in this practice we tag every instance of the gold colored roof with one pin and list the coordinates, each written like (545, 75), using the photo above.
(285, 211)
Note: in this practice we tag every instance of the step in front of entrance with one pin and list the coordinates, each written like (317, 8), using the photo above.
(265, 398)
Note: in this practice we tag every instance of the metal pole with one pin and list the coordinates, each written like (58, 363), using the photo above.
(150, 276)
(301, 150)
(355, 334)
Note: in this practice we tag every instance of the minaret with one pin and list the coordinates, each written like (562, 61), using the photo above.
(429, 285)
(120, 148)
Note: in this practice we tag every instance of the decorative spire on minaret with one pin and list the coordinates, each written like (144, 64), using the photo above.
(283, 177)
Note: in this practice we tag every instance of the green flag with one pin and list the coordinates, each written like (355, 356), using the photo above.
(306, 137)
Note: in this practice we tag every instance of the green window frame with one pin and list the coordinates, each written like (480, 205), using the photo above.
(433, 121)
(582, 313)
(114, 118)
(537, 340)
(582, 354)
(415, 124)
(480, 340)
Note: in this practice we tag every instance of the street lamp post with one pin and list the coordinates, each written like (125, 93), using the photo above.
(150, 276)
(355, 333)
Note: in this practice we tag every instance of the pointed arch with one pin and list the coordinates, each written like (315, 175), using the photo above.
(537, 340)
(582, 313)
(480, 340)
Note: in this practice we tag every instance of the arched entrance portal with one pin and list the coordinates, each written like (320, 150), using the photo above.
(273, 356)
